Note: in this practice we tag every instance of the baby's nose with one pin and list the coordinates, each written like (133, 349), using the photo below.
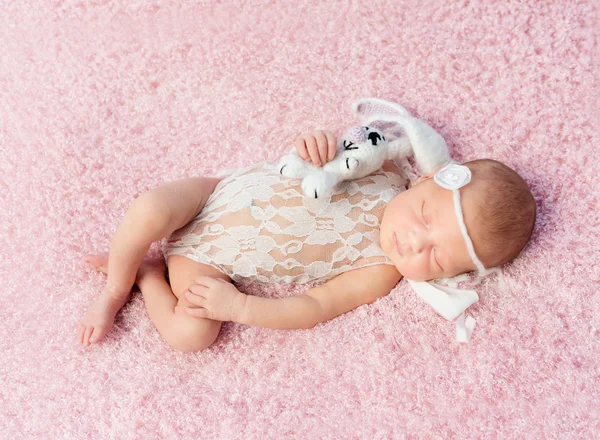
(417, 241)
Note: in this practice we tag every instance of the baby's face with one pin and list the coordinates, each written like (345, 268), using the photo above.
(420, 232)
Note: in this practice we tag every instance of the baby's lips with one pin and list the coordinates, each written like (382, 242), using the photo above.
(396, 244)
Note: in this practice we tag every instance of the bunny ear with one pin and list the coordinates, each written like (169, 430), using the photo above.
(366, 107)
(429, 148)
(387, 127)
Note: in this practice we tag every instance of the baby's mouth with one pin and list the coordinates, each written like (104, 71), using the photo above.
(396, 244)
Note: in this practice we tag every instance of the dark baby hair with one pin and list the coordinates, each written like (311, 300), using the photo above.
(506, 213)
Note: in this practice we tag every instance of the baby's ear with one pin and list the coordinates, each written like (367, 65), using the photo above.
(421, 179)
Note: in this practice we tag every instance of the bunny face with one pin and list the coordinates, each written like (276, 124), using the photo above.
(359, 137)
(364, 149)
(360, 151)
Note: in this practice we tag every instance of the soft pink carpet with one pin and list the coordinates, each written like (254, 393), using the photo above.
(100, 102)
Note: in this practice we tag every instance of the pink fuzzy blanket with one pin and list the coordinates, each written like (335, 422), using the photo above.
(101, 100)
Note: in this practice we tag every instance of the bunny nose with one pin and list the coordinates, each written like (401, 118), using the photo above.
(356, 134)
(374, 137)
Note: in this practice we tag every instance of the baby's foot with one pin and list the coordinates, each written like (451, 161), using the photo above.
(100, 317)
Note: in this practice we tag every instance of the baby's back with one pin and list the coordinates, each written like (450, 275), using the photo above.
(258, 226)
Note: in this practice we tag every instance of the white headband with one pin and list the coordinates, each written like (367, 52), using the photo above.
(454, 177)
(451, 302)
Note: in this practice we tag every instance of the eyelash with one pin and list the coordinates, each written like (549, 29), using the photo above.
(435, 258)
(427, 224)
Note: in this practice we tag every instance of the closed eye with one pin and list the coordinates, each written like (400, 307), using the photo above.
(436, 260)
(427, 224)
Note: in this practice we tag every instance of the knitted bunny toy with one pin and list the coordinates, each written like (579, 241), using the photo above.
(389, 132)
(359, 152)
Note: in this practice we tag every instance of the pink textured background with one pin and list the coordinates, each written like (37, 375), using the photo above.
(100, 102)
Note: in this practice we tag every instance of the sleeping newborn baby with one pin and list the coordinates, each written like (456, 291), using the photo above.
(256, 225)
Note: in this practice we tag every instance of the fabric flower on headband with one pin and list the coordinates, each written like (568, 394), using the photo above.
(453, 176)
(449, 301)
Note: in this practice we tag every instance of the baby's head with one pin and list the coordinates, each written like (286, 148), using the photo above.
(420, 230)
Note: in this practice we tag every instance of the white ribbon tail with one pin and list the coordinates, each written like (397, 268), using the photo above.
(464, 328)
(449, 302)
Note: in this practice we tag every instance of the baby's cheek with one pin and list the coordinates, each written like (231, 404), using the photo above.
(420, 268)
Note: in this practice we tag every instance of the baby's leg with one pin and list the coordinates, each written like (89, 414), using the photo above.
(128, 247)
(151, 217)
(165, 307)
(166, 304)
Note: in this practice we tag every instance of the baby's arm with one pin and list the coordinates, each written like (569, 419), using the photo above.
(335, 297)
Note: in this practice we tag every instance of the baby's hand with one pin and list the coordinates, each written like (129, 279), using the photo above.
(218, 299)
(317, 146)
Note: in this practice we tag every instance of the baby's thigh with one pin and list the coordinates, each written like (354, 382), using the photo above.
(183, 272)
(191, 333)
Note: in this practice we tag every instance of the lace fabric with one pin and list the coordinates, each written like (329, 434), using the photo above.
(257, 226)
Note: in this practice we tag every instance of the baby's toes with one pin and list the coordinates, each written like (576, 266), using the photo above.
(93, 334)
(83, 333)
(98, 262)
(97, 333)
(80, 333)
(87, 332)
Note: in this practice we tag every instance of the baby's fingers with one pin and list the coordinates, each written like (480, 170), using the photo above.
(194, 296)
(313, 150)
(322, 146)
(197, 312)
(331, 145)
(301, 148)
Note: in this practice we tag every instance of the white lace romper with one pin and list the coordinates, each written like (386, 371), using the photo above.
(257, 226)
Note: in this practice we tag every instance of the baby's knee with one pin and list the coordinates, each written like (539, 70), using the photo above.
(191, 334)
